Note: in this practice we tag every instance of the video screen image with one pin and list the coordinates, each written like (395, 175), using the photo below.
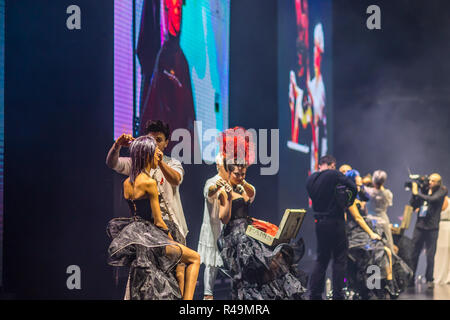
(305, 102)
(308, 44)
(171, 64)
(305, 98)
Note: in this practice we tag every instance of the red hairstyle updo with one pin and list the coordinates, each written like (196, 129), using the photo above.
(237, 147)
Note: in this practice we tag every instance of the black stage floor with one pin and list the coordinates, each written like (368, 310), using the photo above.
(419, 292)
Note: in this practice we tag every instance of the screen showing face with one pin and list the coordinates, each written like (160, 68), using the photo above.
(180, 70)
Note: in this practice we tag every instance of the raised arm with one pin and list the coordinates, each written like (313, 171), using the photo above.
(173, 172)
(113, 161)
(362, 223)
(250, 190)
(437, 196)
(211, 188)
(224, 206)
(113, 156)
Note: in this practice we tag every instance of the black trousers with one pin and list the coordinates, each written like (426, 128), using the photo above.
(332, 242)
(427, 238)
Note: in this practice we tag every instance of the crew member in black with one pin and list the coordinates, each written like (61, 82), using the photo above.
(427, 224)
(330, 225)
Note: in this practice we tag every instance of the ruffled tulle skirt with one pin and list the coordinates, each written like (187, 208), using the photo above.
(150, 255)
(259, 272)
(365, 253)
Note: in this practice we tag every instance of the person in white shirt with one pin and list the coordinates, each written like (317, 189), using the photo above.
(211, 227)
(442, 256)
(169, 175)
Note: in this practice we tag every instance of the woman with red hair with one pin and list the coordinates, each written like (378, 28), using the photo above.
(258, 272)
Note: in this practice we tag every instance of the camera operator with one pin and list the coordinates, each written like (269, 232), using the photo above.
(325, 188)
(428, 206)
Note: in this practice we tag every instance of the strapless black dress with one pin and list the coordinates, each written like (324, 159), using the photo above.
(139, 244)
(258, 272)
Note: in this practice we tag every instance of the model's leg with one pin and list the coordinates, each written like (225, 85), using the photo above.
(389, 266)
(127, 289)
(180, 271)
(192, 260)
(388, 232)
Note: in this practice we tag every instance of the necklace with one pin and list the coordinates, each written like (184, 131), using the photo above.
(238, 189)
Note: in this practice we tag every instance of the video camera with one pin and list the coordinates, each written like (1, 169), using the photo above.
(422, 182)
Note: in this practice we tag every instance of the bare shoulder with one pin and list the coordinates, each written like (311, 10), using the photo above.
(145, 183)
(127, 182)
(127, 188)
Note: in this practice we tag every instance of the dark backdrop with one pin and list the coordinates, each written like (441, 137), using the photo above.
(391, 91)
(58, 125)
(253, 87)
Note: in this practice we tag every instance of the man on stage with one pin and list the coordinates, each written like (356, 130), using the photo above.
(427, 224)
(322, 187)
(169, 175)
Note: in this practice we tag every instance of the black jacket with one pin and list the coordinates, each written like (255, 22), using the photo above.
(435, 202)
(321, 187)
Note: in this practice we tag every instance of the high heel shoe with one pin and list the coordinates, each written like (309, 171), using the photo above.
(391, 290)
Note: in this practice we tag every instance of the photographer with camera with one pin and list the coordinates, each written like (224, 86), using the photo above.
(427, 202)
(331, 193)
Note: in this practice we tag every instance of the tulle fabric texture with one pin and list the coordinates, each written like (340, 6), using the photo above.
(149, 253)
(259, 272)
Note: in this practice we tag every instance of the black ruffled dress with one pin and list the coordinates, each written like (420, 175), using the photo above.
(258, 272)
(139, 244)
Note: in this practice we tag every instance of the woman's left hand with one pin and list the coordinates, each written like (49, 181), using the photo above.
(375, 236)
(228, 189)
